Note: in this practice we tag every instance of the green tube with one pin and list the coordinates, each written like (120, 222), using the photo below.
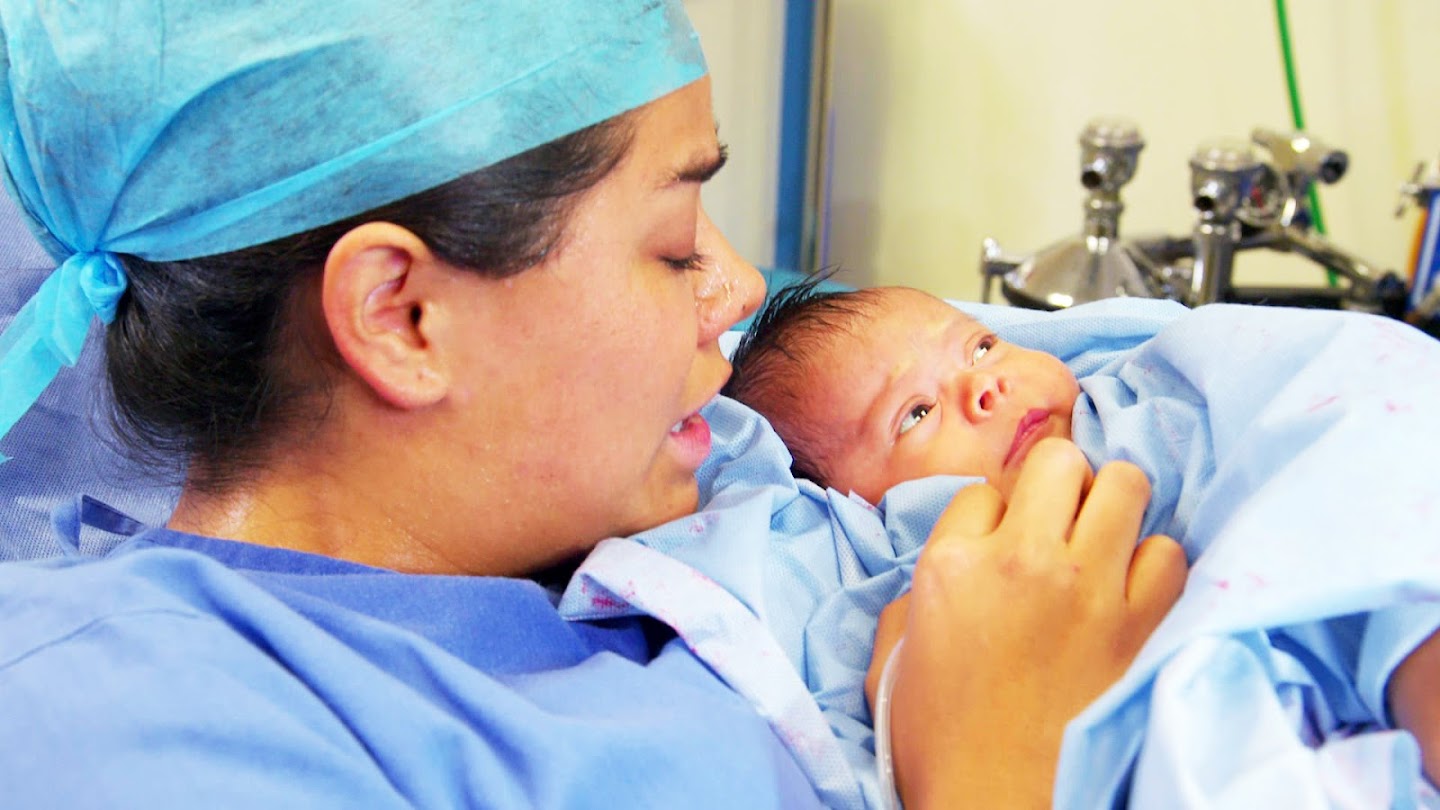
(1283, 23)
(1297, 114)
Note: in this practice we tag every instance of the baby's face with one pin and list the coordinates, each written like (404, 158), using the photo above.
(921, 389)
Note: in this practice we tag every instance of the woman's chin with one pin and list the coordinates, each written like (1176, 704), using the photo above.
(680, 500)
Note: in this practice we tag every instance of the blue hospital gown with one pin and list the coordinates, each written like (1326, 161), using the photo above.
(1288, 450)
(181, 672)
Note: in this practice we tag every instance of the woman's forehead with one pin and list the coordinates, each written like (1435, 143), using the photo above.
(676, 138)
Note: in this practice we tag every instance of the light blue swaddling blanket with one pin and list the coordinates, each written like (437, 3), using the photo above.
(1287, 451)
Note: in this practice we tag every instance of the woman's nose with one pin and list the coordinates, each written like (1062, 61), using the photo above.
(729, 288)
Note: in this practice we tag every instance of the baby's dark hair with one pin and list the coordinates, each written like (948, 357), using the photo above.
(777, 350)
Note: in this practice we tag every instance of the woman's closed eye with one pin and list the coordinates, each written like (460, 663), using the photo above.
(913, 417)
(695, 261)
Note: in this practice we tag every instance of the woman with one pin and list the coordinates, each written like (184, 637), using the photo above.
(426, 297)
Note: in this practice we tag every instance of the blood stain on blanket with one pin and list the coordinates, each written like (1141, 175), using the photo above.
(604, 600)
(1322, 403)
(599, 601)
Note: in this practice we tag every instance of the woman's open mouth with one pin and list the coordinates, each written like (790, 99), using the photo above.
(691, 438)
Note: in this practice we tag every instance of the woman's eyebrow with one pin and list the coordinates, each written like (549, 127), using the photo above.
(700, 169)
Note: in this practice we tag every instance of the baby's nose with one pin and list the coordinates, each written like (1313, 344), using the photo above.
(982, 393)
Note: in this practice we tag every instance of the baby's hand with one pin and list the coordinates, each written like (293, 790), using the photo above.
(1017, 619)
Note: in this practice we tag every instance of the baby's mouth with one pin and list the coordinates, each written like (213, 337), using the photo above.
(1031, 424)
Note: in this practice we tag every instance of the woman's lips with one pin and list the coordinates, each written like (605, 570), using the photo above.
(691, 439)
(1032, 424)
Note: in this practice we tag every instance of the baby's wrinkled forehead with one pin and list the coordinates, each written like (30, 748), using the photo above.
(918, 302)
(896, 313)
(861, 351)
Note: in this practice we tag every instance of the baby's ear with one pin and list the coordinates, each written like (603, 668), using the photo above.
(381, 286)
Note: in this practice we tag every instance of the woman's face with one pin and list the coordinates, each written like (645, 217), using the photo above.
(587, 372)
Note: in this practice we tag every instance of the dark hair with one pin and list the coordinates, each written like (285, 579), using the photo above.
(771, 360)
(208, 359)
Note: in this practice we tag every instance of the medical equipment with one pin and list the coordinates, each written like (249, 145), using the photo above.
(1423, 190)
(1246, 195)
(1096, 263)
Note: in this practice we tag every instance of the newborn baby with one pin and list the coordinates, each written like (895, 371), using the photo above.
(875, 387)
(878, 386)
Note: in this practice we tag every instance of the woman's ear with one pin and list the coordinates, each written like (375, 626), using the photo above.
(377, 297)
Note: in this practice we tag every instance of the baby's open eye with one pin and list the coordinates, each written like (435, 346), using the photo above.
(913, 418)
(983, 347)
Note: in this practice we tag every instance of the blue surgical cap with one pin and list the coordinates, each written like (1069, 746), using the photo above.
(173, 129)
